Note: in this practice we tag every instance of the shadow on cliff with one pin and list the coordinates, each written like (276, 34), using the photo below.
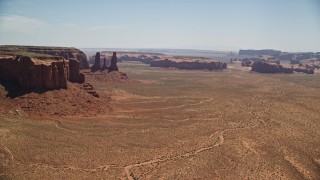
(14, 90)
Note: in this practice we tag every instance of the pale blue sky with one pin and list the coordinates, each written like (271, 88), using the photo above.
(288, 25)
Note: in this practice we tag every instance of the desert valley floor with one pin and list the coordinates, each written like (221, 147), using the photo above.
(175, 124)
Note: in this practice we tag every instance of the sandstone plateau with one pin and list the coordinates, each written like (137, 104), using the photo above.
(31, 51)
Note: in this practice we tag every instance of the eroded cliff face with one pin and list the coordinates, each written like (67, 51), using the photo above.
(33, 73)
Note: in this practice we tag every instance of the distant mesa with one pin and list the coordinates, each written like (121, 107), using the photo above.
(251, 52)
(190, 65)
(268, 61)
(165, 61)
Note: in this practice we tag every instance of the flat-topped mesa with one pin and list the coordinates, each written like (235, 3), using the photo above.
(252, 52)
(37, 73)
(190, 65)
(64, 52)
(113, 65)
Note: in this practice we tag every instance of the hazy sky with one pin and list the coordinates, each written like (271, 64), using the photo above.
(288, 25)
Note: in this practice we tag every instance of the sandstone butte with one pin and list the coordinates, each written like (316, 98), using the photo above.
(41, 72)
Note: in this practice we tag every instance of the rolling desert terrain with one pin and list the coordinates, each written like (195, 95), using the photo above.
(168, 124)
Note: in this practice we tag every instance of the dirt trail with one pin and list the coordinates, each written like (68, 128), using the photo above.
(10, 153)
(58, 125)
(218, 142)
(194, 152)
(164, 108)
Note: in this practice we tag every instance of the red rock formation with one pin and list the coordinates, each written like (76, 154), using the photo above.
(113, 66)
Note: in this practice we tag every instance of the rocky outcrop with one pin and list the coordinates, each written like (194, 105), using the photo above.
(96, 66)
(32, 73)
(49, 51)
(190, 65)
(264, 67)
(90, 90)
(113, 65)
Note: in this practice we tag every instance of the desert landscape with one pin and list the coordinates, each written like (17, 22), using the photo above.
(154, 122)
(170, 90)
